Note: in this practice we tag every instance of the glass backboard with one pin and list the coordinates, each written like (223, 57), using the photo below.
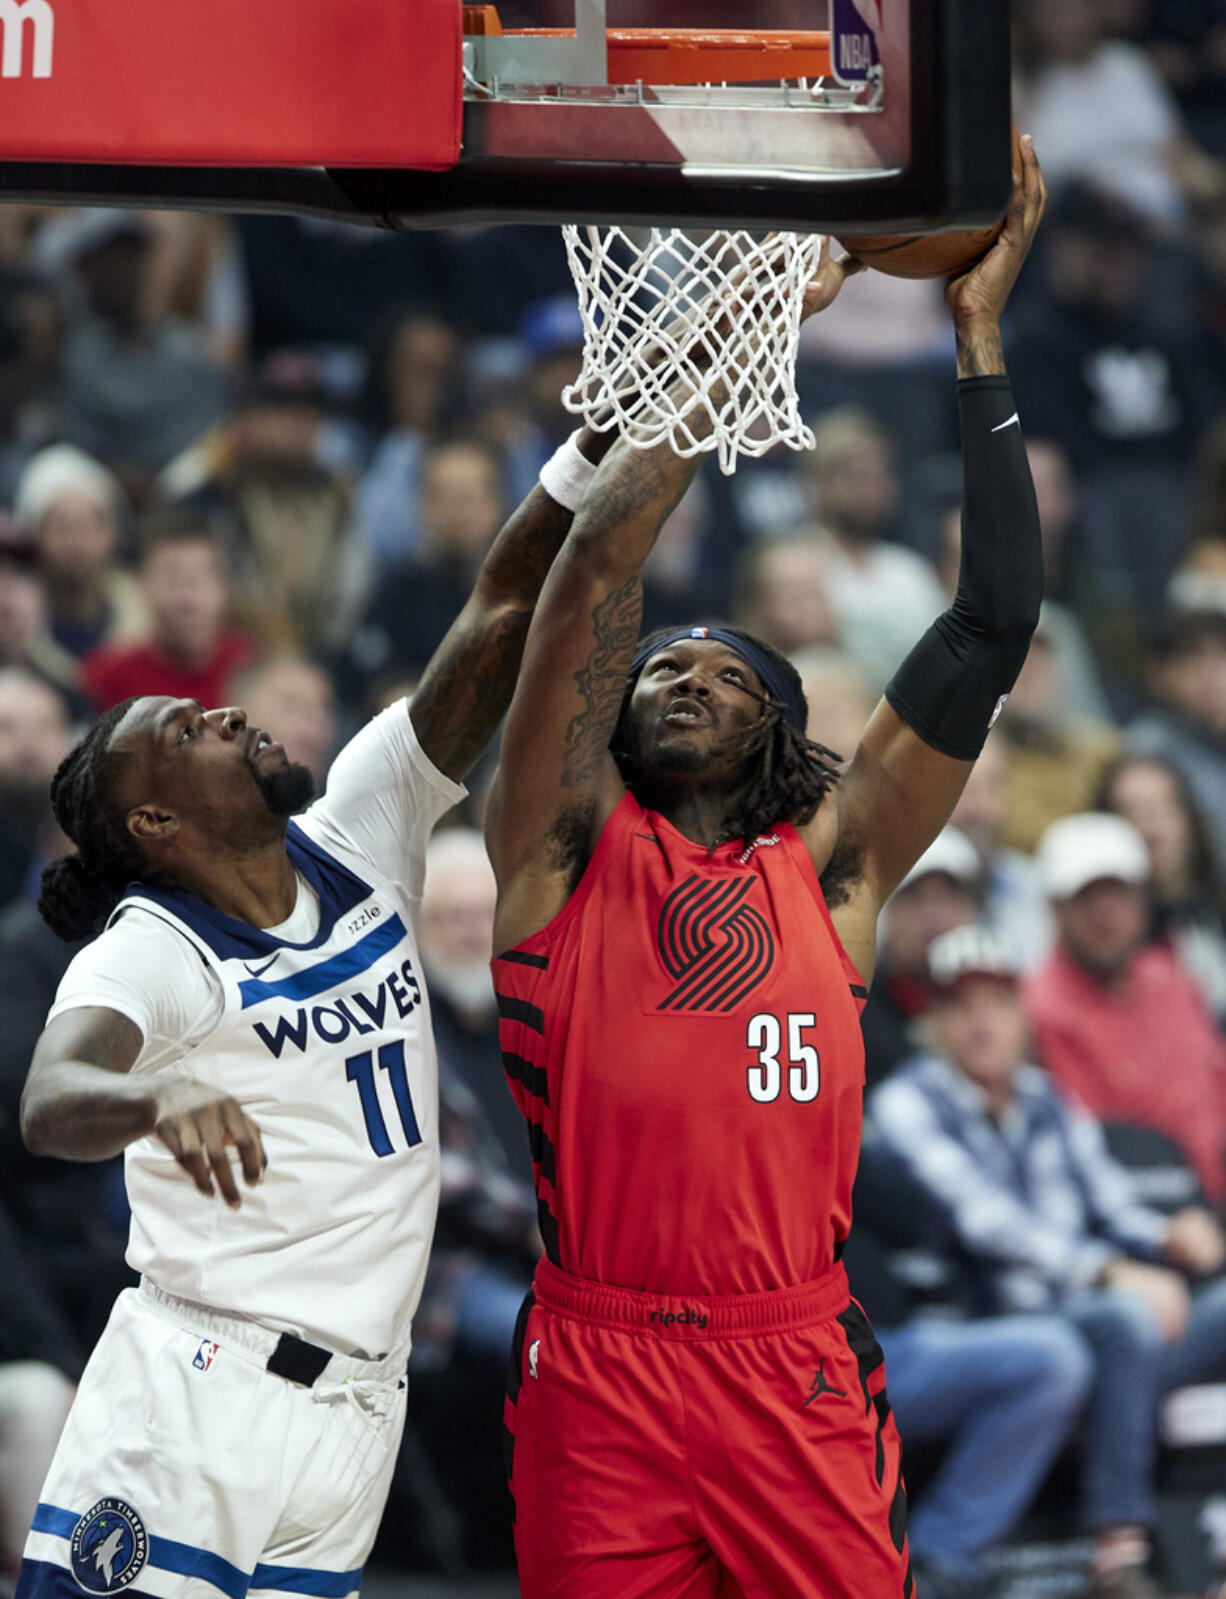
(837, 115)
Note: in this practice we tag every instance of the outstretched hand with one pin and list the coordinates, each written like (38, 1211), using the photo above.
(822, 289)
(199, 1126)
(979, 295)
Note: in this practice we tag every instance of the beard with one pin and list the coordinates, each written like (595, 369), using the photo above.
(675, 755)
(288, 790)
(658, 751)
(1102, 965)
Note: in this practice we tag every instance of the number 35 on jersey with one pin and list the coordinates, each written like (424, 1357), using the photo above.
(768, 1037)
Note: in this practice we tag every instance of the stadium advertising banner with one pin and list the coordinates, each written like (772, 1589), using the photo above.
(281, 83)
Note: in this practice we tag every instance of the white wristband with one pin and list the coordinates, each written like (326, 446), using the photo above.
(566, 474)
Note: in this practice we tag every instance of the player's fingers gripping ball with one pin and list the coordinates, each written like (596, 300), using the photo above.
(929, 255)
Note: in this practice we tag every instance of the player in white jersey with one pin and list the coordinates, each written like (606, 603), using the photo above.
(255, 997)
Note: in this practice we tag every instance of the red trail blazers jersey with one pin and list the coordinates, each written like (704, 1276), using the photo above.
(684, 1041)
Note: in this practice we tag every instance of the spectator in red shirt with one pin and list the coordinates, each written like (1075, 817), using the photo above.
(191, 651)
(1120, 1025)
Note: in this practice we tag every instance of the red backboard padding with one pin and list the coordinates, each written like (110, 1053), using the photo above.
(231, 82)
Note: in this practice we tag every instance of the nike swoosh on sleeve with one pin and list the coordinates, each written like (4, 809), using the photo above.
(1000, 428)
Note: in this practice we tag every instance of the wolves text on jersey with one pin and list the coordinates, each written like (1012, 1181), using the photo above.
(361, 1010)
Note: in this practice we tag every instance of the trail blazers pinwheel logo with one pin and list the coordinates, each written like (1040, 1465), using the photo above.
(714, 944)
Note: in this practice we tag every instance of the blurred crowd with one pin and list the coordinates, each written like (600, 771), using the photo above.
(259, 460)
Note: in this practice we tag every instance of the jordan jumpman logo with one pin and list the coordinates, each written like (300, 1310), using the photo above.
(821, 1386)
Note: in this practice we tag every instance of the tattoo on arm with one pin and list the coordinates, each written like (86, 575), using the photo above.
(466, 688)
(980, 353)
(638, 490)
(636, 479)
(465, 694)
(520, 557)
(602, 682)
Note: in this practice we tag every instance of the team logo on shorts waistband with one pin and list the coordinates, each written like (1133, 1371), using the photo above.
(109, 1547)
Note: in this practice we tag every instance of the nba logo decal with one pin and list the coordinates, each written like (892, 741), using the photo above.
(109, 1547)
(854, 26)
(205, 1354)
(534, 1349)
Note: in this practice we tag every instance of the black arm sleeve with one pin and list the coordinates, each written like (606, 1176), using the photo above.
(950, 685)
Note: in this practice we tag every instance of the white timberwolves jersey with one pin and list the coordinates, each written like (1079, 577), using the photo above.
(325, 1040)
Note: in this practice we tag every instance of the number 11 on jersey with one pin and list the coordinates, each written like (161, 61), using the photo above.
(765, 1037)
(360, 1069)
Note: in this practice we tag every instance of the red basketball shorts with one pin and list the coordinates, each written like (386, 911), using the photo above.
(688, 1448)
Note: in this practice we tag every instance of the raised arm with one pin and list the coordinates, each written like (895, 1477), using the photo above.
(82, 1103)
(927, 732)
(558, 782)
(467, 685)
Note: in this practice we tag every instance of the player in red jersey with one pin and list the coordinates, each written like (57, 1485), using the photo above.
(696, 1406)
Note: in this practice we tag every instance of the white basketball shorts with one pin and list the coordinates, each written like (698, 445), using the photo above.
(188, 1471)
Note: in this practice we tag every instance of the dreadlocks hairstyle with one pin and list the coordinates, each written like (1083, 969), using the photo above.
(788, 774)
(80, 891)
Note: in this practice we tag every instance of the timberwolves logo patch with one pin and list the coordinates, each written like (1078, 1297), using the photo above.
(714, 944)
(109, 1547)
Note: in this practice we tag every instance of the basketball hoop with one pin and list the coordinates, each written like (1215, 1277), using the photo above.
(682, 55)
(691, 342)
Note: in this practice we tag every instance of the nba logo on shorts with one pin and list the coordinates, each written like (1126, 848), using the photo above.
(109, 1547)
(534, 1350)
(204, 1355)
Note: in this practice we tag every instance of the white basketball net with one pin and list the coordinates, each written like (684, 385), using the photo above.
(693, 342)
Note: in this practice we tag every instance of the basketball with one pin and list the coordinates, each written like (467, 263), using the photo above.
(928, 255)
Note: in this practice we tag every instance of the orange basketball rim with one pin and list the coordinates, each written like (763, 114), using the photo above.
(687, 56)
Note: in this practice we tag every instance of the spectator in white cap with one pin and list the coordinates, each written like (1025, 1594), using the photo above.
(940, 892)
(1119, 1023)
(1055, 1227)
(69, 505)
(1187, 885)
